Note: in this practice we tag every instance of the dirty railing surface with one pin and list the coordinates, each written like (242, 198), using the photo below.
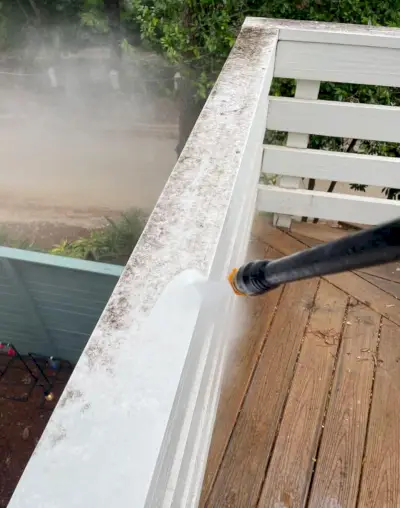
(134, 424)
(312, 53)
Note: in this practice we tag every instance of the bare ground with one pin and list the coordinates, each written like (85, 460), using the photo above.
(22, 421)
(55, 187)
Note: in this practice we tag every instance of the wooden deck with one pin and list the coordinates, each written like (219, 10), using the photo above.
(310, 410)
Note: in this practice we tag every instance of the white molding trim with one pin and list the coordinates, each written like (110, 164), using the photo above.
(328, 206)
(339, 166)
(332, 33)
(330, 118)
(338, 63)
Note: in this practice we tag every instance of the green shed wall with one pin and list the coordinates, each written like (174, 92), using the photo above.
(49, 304)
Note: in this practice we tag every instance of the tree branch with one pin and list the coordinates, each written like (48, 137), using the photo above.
(35, 9)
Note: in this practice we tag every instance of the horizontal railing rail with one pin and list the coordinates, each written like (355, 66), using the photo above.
(339, 166)
(341, 63)
(336, 119)
(312, 53)
(328, 206)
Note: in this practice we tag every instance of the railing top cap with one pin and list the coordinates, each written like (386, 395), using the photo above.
(336, 33)
(101, 452)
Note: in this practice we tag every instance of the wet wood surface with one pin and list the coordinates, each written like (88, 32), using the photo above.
(380, 486)
(308, 415)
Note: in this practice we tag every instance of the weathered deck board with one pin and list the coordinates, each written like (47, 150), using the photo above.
(349, 282)
(319, 232)
(390, 287)
(265, 457)
(389, 271)
(380, 487)
(291, 466)
(242, 471)
(243, 357)
(370, 295)
(339, 461)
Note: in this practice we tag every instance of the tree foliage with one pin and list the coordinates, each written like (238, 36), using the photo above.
(194, 35)
(113, 243)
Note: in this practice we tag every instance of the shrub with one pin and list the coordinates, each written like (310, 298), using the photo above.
(113, 244)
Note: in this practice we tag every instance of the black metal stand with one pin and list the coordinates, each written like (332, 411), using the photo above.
(11, 359)
(41, 372)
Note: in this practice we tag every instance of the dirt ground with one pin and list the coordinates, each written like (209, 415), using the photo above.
(43, 235)
(51, 190)
(68, 160)
(23, 421)
(83, 170)
(82, 154)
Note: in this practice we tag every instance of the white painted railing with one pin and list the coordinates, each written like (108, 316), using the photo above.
(135, 422)
(134, 425)
(315, 52)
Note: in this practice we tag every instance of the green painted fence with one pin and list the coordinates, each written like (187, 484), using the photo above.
(49, 304)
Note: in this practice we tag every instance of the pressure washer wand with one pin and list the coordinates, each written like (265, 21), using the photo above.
(370, 247)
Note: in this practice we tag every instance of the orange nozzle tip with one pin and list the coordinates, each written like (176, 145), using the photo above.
(231, 279)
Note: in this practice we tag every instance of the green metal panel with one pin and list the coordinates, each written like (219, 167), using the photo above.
(49, 304)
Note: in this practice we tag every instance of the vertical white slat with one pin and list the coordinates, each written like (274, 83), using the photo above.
(326, 205)
(334, 118)
(305, 89)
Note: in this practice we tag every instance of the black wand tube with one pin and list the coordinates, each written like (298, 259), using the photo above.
(374, 246)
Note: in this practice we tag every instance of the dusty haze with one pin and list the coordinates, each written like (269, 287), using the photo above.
(88, 146)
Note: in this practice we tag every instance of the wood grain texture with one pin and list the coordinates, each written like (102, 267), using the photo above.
(290, 470)
(318, 232)
(326, 205)
(325, 165)
(380, 487)
(242, 359)
(339, 462)
(390, 287)
(349, 282)
(339, 63)
(331, 118)
(241, 475)
(367, 293)
(239, 481)
(389, 271)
